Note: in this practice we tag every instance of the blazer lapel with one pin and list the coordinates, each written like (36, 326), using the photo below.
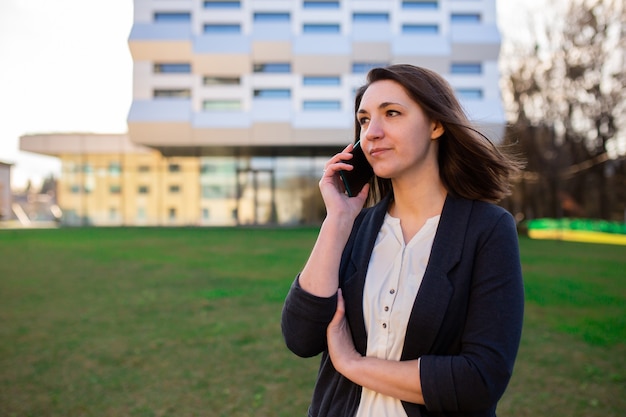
(435, 291)
(354, 284)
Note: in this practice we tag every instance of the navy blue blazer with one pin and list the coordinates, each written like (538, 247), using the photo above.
(465, 324)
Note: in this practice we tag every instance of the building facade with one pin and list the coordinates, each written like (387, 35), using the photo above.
(253, 96)
(5, 190)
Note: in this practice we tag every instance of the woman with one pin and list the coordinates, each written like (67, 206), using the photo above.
(416, 301)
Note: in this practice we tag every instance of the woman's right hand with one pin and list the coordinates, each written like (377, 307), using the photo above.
(333, 192)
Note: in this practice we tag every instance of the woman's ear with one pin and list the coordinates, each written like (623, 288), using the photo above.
(436, 130)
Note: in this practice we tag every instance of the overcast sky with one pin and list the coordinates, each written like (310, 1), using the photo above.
(66, 67)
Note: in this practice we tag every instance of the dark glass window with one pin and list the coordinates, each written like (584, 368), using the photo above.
(210, 80)
(420, 29)
(466, 68)
(274, 67)
(211, 4)
(465, 18)
(173, 93)
(321, 105)
(221, 105)
(115, 169)
(320, 4)
(361, 67)
(419, 4)
(321, 80)
(271, 17)
(470, 93)
(172, 68)
(321, 28)
(370, 17)
(222, 28)
(172, 17)
(272, 93)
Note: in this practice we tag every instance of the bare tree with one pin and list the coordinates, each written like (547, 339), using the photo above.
(567, 100)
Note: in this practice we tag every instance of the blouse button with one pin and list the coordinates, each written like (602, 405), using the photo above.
(392, 291)
(384, 325)
(386, 308)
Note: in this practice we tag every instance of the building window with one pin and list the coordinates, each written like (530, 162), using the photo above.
(172, 93)
(211, 192)
(174, 189)
(115, 169)
(471, 18)
(173, 168)
(271, 17)
(172, 68)
(143, 168)
(362, 67)
(420, 29)
(141, 213)
(321, 80)
(207, 169)
(211, 80)
(469, 93)
(112, 213)
(172, 17)
(320, 4)
(205, 214)
(222, 28)
(171, 213)
(321, 105)
(275, 67)
(466, 68)
(115, 189)
(420, 4)
(230, 105)
(143, 189)
(272, 93)
(75, 189)
(321, 28)
(214, 4)
(370, 17)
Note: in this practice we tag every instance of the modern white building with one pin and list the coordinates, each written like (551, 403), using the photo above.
(259, 93)
(277, 77)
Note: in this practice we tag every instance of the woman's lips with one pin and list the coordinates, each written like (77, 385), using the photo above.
(376, 152)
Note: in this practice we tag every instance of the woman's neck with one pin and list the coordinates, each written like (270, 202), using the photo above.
(415, 203)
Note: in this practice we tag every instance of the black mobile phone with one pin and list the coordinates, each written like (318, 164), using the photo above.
(361, 173)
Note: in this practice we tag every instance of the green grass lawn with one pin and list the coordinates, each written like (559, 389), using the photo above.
(186, 322)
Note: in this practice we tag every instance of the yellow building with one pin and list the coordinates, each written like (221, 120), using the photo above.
(107, 180)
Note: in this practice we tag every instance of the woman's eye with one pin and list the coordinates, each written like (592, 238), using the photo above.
(392, 113)
(363, 120)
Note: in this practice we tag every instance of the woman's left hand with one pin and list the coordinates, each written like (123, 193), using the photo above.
(339, 338)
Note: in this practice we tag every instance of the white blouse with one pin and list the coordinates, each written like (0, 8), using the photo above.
(394, 276)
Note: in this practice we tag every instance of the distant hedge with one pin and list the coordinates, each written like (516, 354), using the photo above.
(577, 224)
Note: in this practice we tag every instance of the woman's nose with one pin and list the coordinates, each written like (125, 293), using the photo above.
(373, 130)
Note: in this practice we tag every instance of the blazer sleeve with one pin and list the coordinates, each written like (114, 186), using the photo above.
(476, 377)
(305, 317)
(304, 320)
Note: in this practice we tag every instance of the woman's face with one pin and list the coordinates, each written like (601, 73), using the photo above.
(396, 135)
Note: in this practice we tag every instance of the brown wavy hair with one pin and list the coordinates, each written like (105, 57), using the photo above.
(470, 165)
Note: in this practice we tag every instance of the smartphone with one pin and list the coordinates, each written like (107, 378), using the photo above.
(361, 173)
